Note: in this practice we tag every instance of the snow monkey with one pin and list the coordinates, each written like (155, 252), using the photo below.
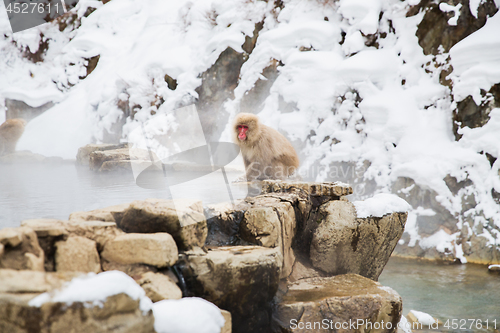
(10, 131)
(267, 154)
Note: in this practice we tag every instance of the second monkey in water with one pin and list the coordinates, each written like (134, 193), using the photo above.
(267, 154)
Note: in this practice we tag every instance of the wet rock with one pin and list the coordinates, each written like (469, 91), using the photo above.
(434, 31)
(223, 223)
(83, 155)
(348, 299)
(159, 286)
(344, 244)
(21, 249)
(77, 254)
(157, 249)
(183, 219)
(241, 279)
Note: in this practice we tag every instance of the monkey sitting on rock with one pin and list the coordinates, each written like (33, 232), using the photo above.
(267, 154)
(10, 132)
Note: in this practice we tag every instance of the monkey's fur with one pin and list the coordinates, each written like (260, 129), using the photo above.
(10, 132)
(267, 154)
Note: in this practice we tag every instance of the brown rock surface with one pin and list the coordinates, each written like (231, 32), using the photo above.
(77, 254)
(183, 219)
(157, 249)
(20, 249)
(242, 279)
(344, 244)
(342, 303)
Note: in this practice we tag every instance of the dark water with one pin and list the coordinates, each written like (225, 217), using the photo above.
(56, 190)
(446, 291)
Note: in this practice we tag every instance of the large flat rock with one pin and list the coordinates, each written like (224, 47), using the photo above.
(315, 189)
(157, 249)
(343, 303)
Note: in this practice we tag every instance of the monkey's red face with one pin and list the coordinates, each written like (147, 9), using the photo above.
(242, 132)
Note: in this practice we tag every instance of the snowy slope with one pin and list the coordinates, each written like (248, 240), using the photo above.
(380, 108)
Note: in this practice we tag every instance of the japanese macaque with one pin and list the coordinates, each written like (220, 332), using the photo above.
(266, 153)
(10, 132)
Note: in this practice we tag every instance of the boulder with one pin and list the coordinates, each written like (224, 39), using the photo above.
(106, 302)
(157, 249)
(83, 155)
(97, 158)
(77, 254)
(261, 226)
(314, 189)
(31, 282)
(20, 249)
(98, 231)
(342, 303)
(107, 214)
(22, 156)
(223, 223)
(241, 279)
(227, 328)
(183, 219)
(271, 223)
(119, 313)
(119, 159)
(342, 243)
(51, 231)
(159, 286)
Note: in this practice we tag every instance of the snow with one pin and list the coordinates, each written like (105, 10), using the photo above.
(187, 315)
(404, 325)
(444, 7)
(380, 204)
(93, 289)
(474, 6)
(476, 61)
(440, 240)
(423, 318)
(190, 314)
(350, 103)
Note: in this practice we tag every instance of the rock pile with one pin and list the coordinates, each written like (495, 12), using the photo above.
(294, 255)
